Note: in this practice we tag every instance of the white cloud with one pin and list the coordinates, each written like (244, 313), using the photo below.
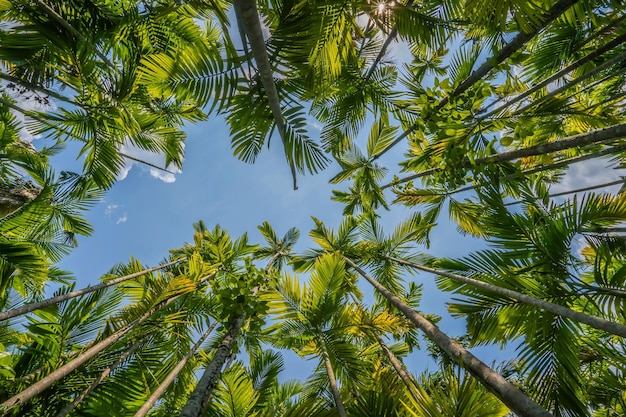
(110, 212)
(110, 209)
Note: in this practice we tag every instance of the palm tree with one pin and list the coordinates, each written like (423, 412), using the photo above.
(344, 245)
(122, 358)
(77, 48)
(254, 390)
(594, 321)
(165, 294)
(71, 323)
(508, 393)
(374, 324)
(313, 319)
(236, 309)
(541, 261)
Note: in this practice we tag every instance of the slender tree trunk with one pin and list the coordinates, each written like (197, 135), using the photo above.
(562, 163)
(593, 321)
(574, 191)
(55, 300)
(332, 379)
(147, 406)
(198, 401)
(582, 61)
(390, 38)
(393, 359)
(583, 139)
(508, 393)
(512, 47)
(613, 61)
(71, 406)
(397, 365)
(55, 376)
(204, 389)
(248, 15)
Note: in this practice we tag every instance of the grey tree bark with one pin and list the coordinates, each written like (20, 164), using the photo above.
(211, 376)
(508, 393)
(147, 406)
(54, 300)
(248, 16)
(94, 384)
(332, 379)
(593, 321)
(55, 376)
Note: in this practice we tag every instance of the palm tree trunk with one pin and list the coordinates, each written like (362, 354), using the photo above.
(204, 389)
(576, 190)
(583, 139)
(55, 376)
(397, 364)
(590, 320)
(582, 61)
(399, 367)
(390, 38)
(393, 359)
(332, 379)
(613, 61)
(198, 401)
(71, 406)
(248, 15)
(512, 47)
(508, 393)
(55, 300)
(562, 163)
(147, 406)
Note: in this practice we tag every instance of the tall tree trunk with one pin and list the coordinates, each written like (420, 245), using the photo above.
(332, 379)
(561, 163)
(508, 393)
(198, 401)
(593, 321)
(248, 16)
(147, 406)
(597, 70)
(583, 139)
(513, 46)
(582, 61)
(55, 376)
(71, 406)
(204, 389)
(397, 365)
(393, 359)
(55, 300)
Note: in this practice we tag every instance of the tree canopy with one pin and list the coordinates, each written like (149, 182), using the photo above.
(492, 103)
